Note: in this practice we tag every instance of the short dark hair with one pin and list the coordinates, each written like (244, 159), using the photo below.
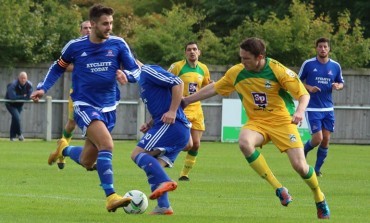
(190, 43)
(254, 45)
(98, 10)
(322, 40)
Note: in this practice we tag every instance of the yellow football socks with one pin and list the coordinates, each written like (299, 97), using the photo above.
(67, 136)
(189, 163)
(258, 163)
(312, 182)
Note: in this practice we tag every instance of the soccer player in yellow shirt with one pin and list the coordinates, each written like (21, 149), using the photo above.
(266, 88)
(195, 75)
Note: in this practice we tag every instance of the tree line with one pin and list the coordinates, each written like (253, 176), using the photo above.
(35, 31)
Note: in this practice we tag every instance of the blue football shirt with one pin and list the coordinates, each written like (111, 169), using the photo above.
(94, 73)
(314, 73)
(156, 92)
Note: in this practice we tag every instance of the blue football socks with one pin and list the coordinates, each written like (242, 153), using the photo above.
(73, 152)
(153, 169)
(321, 155)
(307, 147)
(105, 171)
(155, 173)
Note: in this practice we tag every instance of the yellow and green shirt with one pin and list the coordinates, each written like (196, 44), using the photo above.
(194, 79)
(265, 95)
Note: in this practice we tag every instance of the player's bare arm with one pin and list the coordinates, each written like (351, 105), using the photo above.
(204, 93)
(146, 126)
(170, 116)
(299, 113)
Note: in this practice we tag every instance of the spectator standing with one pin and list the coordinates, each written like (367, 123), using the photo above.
(19, 89)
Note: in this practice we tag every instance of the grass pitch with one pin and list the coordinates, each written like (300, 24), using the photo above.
(223, 188)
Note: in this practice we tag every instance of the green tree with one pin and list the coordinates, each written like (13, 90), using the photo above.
(348, 45)
(291, 39)
(225, 15)
(160, 38)
(16, 43)
(34, 32)
(359, 9)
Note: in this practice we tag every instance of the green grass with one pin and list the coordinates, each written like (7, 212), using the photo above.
(223, 188)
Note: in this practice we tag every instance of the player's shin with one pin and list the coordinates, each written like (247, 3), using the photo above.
(311, 180)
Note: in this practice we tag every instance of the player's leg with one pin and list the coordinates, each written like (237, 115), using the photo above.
(152, 145)
(248, 140)
(73, 152)
(152, 155)
(98, 136)
(71, 124)
(191, 155)
(98, 126)
(315, 140)
(322, 151)
(154, 170)
(160, 183)
(68, 130)
(314, 125)
(298, 162)
(67, 135)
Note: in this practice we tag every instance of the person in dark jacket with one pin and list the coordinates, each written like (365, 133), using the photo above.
(19, 89)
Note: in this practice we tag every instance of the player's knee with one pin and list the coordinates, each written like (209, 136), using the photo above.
(133, 155)
(87, 163)
(105, 145)
(325, 142)
(316, 139)
(195, 146)
(300, 167)
(189, 145)
(136, 152)
(246, 148)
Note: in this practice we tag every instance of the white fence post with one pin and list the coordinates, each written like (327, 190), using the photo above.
(140, 119)
(48, 118)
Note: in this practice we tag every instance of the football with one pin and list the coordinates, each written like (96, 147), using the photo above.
(138, 204)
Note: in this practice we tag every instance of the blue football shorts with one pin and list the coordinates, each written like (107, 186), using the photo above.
(169, 138)
(317, 121)
(84, 115)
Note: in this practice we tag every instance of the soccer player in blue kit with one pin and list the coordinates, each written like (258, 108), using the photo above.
(320, 75)
(166, 134)
(96, 59)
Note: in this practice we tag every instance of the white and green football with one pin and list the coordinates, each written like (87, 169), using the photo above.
(138, 204)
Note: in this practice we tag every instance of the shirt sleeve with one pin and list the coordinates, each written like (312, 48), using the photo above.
(174, 69)
(302, 72)
(290, 81)
(10, 91)
(207, 76)
(225, 85)
(161, 77)
(130, 67)
(56, 69)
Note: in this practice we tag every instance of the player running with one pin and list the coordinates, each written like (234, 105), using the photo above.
(96, 59)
